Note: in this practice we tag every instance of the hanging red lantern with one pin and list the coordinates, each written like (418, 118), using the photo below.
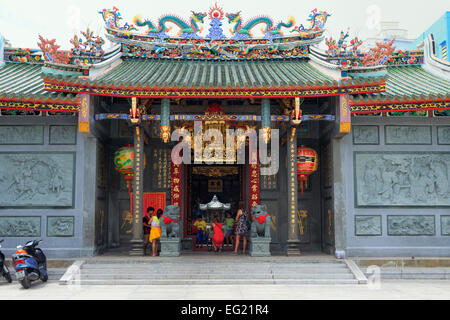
(124, 164)
(307, 163)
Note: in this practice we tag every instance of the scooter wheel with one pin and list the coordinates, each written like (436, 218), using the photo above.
(26, 283)
(44, 278)
(8, 277)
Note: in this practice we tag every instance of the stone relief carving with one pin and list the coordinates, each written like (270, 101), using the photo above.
(402, 179)
(20, 226)
(22, 135)
(63, 135)
(365, 135)
(410, 225)
(445, 225)
(408, 134)
(36, 179)
(60, 226)
(443, 135)
(368, 225)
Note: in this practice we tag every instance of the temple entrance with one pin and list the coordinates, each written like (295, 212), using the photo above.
(212, 190)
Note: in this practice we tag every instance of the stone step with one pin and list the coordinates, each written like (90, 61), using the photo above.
(234, 260)
(226, 277)
(221, 282)
(202, 266)
(414, 273)
(218, 272)
(150, 271)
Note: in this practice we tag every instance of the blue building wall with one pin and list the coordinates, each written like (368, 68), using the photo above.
(441, 32)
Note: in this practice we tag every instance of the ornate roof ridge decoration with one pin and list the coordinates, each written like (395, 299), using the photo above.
(157, 43)
(22, 55)
(348, 57)
(87, 52)
(51, 51)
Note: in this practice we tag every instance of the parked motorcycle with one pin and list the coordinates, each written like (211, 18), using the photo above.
(4, 271)
(30, 264)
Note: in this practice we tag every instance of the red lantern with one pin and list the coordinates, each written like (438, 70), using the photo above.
(307, 163)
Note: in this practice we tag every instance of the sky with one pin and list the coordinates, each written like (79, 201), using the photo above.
(22, 22)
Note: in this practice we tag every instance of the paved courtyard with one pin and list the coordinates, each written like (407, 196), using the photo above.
(390, 290)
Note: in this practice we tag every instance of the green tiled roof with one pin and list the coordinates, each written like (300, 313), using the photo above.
(22, 81)
(181, 74)
(409, 83)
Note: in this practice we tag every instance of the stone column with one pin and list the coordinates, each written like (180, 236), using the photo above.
(293, 231)
(137, 242)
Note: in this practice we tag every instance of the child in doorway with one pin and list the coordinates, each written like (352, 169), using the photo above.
(201, 231)
(229, 222)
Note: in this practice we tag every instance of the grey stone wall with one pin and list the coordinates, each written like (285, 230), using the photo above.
(46, 187)
(397, 180)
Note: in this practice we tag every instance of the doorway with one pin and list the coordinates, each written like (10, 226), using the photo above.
(226, 182)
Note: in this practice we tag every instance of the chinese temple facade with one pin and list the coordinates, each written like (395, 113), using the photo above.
(87, 136)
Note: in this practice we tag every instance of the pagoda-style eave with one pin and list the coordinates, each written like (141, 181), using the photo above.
(160, 93)
(400, 105)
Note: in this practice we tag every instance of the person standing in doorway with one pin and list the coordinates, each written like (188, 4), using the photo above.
(229, 222)
(200, 224)
(147, 227)
(242, 222)
(155, 232)
(218, 237)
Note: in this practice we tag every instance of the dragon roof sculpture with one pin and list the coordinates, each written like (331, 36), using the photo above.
(172, 37)
(147, 39)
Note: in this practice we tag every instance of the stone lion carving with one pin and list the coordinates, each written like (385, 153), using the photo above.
(260, 222)
(172, 229)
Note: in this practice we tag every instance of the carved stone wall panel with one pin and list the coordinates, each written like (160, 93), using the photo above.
(402, 179)
(445, 225)
(63, 135)
(408, 134)
(28, 135)
(443, 133)
(20, 227)
(411, 225)
(368, 226)
(37, 179)
(60, 226)
(366, 135)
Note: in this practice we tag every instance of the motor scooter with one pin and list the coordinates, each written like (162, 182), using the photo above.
(30, 264)
(4, 271)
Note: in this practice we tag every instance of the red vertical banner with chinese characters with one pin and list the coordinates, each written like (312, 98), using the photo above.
(175, 185)
(255, 179)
